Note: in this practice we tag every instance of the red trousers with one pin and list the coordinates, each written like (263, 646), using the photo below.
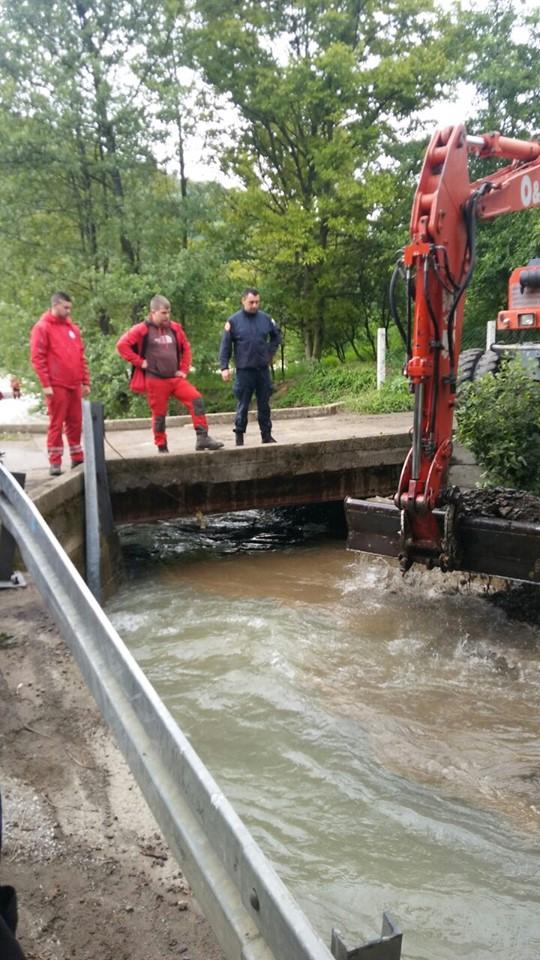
(158, 393)
(65, 413)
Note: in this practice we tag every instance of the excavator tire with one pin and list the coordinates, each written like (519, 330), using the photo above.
(467, 363)
(488, 363)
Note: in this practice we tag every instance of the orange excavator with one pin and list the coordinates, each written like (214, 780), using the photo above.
(424, 524)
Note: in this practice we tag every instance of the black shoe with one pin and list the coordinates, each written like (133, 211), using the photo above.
(268, 440)
(76, 463)
(163, 448)
(238, 438)
(55, 470)
(206, 442)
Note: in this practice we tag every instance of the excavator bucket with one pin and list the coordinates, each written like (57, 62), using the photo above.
(489, 545)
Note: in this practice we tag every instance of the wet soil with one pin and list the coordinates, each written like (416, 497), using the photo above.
(93, 875)
(503, 502)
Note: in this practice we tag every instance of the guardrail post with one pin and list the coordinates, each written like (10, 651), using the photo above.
(491, 333)
(386, 947)
(10, 578)
(103, 492)
(92, 539)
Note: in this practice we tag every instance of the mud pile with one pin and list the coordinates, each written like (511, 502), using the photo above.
(503, 502)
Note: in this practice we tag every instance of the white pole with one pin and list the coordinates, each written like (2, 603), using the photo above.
(381, 357)
(491, 333)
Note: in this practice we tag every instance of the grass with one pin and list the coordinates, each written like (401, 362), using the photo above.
(306, 385)
(354, 385)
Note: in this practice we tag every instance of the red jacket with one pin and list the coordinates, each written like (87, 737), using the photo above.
(131, 346)
(57, 353)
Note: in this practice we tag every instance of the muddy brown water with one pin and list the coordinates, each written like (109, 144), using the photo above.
(379, 736)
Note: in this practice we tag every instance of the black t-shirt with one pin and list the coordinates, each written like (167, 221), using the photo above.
(161, 352)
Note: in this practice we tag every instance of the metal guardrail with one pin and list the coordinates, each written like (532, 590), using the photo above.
(253, 915)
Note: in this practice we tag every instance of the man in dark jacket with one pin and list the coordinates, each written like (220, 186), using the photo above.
(160, 354)
(254, 338)
(57, 354)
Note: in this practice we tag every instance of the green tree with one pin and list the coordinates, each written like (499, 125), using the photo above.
(323, 93)
(503, 68)
(84, 203)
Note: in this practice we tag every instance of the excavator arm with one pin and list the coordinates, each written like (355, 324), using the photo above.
(438, 264)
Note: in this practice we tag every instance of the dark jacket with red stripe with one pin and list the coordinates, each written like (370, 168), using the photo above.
(132, 347)
(57, 353)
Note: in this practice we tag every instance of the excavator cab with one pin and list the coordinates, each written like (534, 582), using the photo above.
(519, 324)
(425, 523)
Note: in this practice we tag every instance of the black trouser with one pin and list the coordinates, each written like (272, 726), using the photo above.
(9, 948)
(251, 381)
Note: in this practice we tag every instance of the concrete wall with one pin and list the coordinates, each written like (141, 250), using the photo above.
(148, 489)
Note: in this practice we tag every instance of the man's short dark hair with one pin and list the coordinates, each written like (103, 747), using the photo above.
(59, 296)
(158, 302)
(252, 290)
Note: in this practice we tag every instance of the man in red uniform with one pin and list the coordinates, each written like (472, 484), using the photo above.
(57, 354)
(160, 354)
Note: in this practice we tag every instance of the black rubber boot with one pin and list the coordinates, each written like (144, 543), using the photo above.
(268, 439)
(238, 438)
(206, 442)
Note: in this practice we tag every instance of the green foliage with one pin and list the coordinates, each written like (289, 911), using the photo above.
(218, 395)
(498, 418)
(97, 110)
(320, 384)
(353, 385)
(503, 68)
(393, 397)
(320, 211)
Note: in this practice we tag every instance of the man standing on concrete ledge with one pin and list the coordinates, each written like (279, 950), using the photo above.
(57, 354)
(254, 338)
(160, 354)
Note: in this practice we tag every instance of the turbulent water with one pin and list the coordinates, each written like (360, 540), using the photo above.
(378, 736)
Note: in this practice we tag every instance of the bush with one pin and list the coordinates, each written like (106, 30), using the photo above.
(498, 419)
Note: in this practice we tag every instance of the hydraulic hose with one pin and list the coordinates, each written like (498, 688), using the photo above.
(397, 272)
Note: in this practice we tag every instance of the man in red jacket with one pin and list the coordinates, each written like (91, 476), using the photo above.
(57, 354)
(160, 354)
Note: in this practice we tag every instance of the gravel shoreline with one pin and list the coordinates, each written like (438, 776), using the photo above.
(93, 875)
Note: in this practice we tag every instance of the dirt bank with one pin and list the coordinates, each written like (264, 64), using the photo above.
(93, 876)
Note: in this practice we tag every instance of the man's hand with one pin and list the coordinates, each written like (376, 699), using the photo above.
(226, 374)
(181, 374)
(86, 390)
(144, 364)
(48, 391)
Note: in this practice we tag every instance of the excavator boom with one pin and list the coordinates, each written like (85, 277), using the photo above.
(438, 264)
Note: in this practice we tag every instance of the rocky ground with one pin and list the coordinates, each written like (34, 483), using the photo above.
(93, 876)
